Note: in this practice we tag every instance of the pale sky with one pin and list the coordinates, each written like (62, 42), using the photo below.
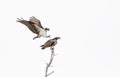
(89, 44)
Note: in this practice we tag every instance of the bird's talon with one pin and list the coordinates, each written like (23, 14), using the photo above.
(48, 36)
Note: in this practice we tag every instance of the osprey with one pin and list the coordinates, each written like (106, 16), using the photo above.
(50, 43)
(35, 26)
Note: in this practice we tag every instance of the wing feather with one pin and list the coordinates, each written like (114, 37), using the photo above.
(36, 21)
(48, 43)
(29, 24)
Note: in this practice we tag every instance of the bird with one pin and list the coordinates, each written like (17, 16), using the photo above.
(34, 25)
(50, 43)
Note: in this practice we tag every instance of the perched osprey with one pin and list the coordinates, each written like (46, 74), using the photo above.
(50, 43)
(35, 26)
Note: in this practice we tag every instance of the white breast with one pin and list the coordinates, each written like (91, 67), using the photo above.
(43, 32)
(55, 42)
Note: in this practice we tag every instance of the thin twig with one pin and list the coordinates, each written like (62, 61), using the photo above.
(50, 73)
(48, 64)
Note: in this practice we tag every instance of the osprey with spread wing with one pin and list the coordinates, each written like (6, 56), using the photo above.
(35, 26)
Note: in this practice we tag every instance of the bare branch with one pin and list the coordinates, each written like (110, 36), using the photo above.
(49, 63)
(51, 66)
(50, 73)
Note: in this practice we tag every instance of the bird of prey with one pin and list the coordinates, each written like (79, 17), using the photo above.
(50, 43)
(35, 26)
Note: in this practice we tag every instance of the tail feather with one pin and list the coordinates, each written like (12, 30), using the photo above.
(42, 47)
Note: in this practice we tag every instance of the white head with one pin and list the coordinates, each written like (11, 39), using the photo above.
(56, 38)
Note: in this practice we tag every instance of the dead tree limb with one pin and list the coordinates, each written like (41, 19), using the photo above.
(49, 63)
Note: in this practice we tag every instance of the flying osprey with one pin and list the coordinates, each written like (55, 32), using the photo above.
(35, 26)
(50, 43)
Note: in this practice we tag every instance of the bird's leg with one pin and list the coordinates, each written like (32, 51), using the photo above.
(36, 37)
(52, 48)
(48, 36)
(39, 36)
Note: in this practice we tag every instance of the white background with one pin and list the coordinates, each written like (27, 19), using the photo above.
(89, 31)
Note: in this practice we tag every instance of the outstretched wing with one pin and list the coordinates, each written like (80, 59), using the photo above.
(36, 21)
(29, 24)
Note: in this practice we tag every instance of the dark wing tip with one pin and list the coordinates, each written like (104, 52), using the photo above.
(42, 48)
(41, 45)
(20, 19)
